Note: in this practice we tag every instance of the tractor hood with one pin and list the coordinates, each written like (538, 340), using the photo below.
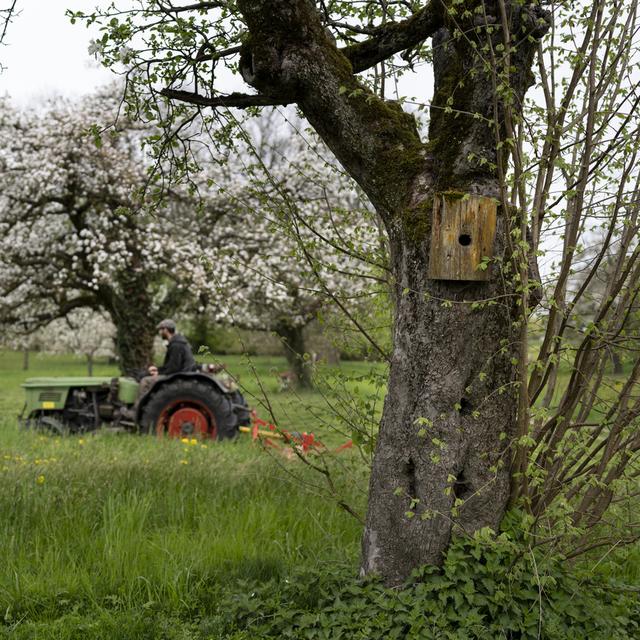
(51, 393)
(80, 381)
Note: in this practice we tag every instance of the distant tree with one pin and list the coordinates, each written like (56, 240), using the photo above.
(83, 332)
(297, 239)
(26, 343)
(76, 231)
(80, 231)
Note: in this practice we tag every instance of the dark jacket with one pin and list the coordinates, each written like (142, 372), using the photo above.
(178, 357)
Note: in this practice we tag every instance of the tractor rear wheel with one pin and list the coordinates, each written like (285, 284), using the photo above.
(189, 409)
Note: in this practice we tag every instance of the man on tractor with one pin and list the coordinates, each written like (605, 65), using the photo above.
(177, 359)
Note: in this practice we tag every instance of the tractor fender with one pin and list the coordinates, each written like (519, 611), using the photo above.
(184, 375)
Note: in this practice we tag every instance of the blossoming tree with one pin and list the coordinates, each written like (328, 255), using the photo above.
(82, 332)
(75, 233)
(78, 231)
(296, 239)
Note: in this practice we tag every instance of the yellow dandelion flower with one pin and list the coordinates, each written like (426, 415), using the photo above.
(184, 462)
(184, 440)
(81, 441)
(204, 446)
(40, 479)
(193, 441)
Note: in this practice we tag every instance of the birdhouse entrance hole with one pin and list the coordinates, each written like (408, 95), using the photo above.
(462, 236)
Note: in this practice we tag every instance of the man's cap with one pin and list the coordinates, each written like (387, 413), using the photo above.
(167, 324)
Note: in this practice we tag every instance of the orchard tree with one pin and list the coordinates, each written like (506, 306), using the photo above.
(26, 343)
(83, 332)
(77, 234)
(296, 240)
(463, 435)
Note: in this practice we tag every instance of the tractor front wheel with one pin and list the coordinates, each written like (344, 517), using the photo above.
(189, 409)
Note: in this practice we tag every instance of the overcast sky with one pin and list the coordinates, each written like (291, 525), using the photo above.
(46, 55)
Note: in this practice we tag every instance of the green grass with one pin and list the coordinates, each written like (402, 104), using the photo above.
(126, 537)
(127, 532)
(133, 521)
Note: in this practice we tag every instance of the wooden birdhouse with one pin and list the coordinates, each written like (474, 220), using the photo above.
(462, 236)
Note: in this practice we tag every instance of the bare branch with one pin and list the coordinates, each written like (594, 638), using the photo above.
(238, 100)
(6, 16)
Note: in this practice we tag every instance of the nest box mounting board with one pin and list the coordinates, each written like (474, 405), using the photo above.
(462, 236)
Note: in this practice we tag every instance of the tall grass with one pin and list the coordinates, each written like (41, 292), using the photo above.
(105, 523)
(125, 537)
(135, 522)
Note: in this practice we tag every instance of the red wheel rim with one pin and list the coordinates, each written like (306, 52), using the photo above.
(187, 419)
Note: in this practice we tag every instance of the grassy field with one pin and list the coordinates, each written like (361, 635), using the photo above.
(125, 536)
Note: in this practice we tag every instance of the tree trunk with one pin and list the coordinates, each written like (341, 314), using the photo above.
(90, 364)
(25, 359)
(442, 460)
(439, 466)
(129, 302)
(200, 332)
(296, 354)
(134, 342)
(618, 367)
(441, 463)
(135, 326)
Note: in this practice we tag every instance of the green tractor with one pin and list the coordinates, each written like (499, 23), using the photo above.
(199, 404)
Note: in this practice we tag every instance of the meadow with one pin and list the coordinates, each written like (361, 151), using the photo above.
(103, 534)
(113, 536)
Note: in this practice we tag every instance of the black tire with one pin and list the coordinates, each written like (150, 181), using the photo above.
(182, 394)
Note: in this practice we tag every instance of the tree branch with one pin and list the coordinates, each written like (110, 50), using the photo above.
(289, 56)
(5, 17)
(197, 6)
(238, 100)
(394, 37)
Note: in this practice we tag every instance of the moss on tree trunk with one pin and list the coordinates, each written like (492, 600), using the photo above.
(130, 311)
(441, 464)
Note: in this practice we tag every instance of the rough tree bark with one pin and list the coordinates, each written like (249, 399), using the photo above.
(135, 332)
(130, 310)
(451, 396)
(200, 332)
